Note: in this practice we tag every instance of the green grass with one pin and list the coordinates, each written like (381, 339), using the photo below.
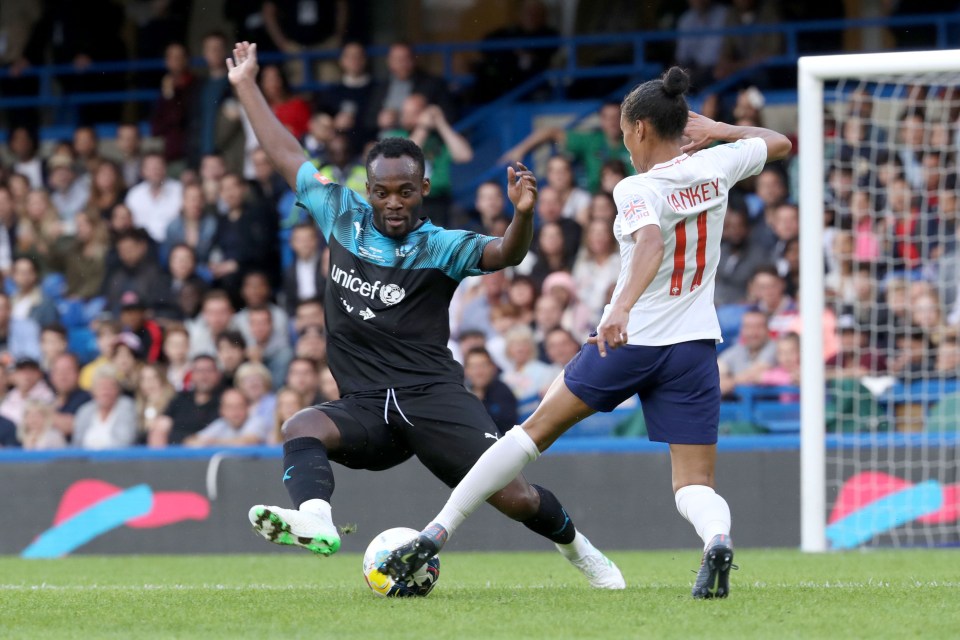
(776, 594)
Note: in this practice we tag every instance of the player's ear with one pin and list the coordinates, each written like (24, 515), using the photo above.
(641, 128)
(425, 188)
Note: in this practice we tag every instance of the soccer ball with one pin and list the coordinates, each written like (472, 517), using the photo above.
(420, 584)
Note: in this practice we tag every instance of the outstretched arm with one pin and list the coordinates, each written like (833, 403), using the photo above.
(282, 148)
(702, 132)
(513, 246)
(534, 140)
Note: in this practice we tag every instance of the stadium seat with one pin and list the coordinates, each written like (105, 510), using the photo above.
(730, 316)
(777, 417)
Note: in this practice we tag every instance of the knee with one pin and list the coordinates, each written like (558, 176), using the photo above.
(309, 423)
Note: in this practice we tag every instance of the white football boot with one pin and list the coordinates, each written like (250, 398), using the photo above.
(308, 529)
(599, 570)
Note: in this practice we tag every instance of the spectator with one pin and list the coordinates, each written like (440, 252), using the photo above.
(303, 279)
(589, 149)
(550, 210)
(254, 382)
(560, 347)
(913, 357)
(577, 317)
(256, 293)
(551, 253)
(28, 384)
(153, 396)
(137, 273)
(303, 377)
(130, 156)
(349, 99)
(170, 119)
(343, 166)
(37, 431)
(215, 316)
(235, 426)
(38, 231)
(133, 319)
(190, 411)
(785, 225)
(231, 354)
(769, 193)
(183, 276)
(910, 136)
(8, 435)
(500, 70)
(612, 171)
(245, 239)
(19, 338)
(156, 201)
(267, 185)
(109, 420)
(195, 225)
(328, 384)
(700, 54)
(212, 170)
(739, 259)
(309, 313)
(8, 225)
(29, 302)
(596, 267)
(786, 368)
(478, 301)
(266, 348)
(16, 24)
(107, 189)
(312, 343)
(522, 294)
(64, 377)
(291, 111)
(483, 380)
(529, 377)
(210, 130)
(69, 192)
(53, 342)
(575, 201)
(26, 160)
(176, 347)
(854, 357)
(125, 363)
(743, 51)
(403, 80)
(547, 315)
(319, 135)
(745, 362)
(948, 357)
(306, 25)
(288, 402)
(86, 149)
(107, 333)
(767, 291)
(489, 205)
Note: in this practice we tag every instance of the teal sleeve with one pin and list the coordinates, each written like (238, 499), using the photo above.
(324, 199)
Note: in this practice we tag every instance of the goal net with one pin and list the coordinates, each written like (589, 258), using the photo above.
(880, 261)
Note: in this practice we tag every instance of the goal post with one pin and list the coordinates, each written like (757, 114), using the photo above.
(821, 80)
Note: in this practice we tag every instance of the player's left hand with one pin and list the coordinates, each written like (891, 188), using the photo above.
(522, 188)
(612, 331)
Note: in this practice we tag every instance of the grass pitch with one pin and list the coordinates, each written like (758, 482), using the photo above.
(776, 594)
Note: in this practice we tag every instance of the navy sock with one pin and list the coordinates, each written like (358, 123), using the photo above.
(307, 474)
(551, 520)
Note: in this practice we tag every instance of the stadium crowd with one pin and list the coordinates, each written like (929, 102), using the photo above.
(168, 291)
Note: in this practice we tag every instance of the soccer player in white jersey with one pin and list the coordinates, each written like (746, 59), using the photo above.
(657, 336)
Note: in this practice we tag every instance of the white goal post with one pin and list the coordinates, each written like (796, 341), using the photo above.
(813, 73)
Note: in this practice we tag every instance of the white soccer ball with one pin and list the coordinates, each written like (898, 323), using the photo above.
(420, 584)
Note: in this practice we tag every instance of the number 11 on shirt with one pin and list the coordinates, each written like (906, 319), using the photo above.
(680, 255)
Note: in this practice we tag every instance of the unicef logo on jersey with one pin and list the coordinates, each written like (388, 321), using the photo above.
(392, 294)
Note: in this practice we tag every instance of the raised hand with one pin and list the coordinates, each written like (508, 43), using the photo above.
(522, 188)
(243, 66)
(699, 132)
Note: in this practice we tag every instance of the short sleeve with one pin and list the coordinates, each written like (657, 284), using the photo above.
(459, 252)
(636, 207)
(324, 199)
(740, 159)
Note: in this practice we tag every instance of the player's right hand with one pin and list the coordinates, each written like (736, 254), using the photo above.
(612, 331)
(699, 132)
(243, 65)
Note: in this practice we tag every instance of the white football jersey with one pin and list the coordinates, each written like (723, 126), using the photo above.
(687, 198)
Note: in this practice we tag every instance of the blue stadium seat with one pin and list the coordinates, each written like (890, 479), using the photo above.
(777, 417)
(730, 316)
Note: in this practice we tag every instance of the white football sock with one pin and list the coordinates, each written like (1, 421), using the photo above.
(705, 510)
(318, 507)
(576, 549)
(495, 469)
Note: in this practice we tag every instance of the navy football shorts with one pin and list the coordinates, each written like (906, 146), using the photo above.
(678, 386)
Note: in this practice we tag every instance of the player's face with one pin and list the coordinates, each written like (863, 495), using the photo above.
(395, 190)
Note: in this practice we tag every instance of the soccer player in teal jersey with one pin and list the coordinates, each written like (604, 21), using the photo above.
(392, 275)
